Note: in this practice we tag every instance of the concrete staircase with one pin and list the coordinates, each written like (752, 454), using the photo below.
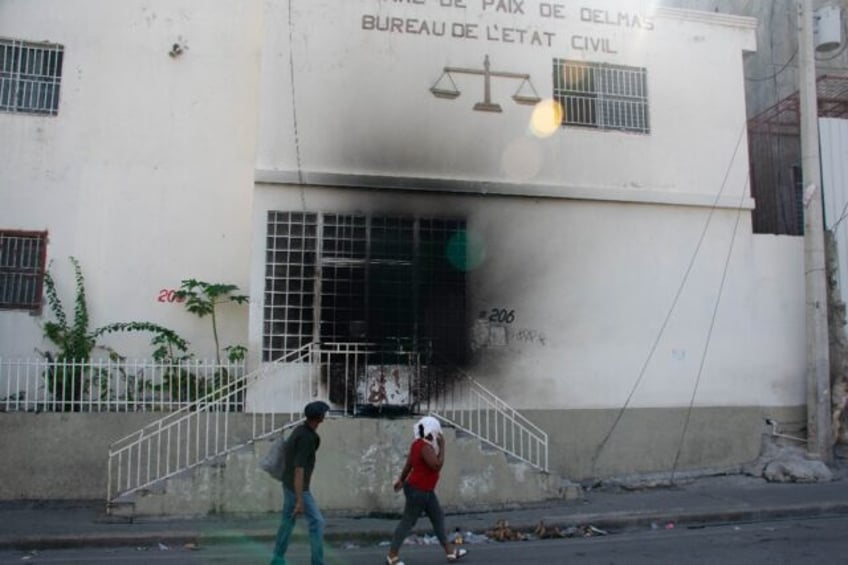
(358, 461)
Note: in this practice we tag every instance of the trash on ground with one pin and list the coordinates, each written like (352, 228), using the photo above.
(583, 531)
(163, 547)
(472, 538)
(415, 539)
(597, 531)
(191, 546)
(547, 532)
(502, 532)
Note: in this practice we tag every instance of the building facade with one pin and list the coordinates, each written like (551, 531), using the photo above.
(551, 196)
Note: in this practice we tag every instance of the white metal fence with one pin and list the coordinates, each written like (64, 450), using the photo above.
(42, 385)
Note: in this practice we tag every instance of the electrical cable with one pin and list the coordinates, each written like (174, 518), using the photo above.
(777, 72)
(677, 296)
(708, 340)
(841, 217)
(294, 110)
(771, 52)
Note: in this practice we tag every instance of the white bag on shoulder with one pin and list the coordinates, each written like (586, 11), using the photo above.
(274, 462)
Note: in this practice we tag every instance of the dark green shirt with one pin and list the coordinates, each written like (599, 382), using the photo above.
(300, 452)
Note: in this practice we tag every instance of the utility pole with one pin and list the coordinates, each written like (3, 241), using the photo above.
(818, 358)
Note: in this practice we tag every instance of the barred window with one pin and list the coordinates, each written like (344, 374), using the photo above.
(22, 263)
(355, 278)
(30, 76)
(609, 97)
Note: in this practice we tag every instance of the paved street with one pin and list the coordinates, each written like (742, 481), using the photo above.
(814, 540)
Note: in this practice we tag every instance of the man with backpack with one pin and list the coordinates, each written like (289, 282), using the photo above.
(300, 450)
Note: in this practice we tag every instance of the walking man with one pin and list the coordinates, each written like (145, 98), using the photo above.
(297, 498)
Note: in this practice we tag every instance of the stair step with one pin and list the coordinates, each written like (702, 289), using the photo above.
(119, 512)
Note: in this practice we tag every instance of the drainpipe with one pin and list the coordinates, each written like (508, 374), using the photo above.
(776, 433)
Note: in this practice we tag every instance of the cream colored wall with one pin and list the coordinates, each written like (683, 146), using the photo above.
(360, 458)
(614, 304)
(639, 283)
(147, 176)
(120, 173)
(341, 98)
(656, 323)
(146, 173)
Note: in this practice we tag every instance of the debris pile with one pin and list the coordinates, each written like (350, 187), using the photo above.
(503, 532)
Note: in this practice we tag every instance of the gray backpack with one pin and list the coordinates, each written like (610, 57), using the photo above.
(274, 462)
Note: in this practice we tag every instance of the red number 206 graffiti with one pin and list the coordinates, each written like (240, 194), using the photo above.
(169, 295)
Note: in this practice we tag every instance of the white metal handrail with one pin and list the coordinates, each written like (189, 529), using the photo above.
(203, 430)
(196, 433)
(477, 411)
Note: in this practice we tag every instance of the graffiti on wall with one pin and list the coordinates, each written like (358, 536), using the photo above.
(531, 336)
(169, 295)
(494, 328)
(499, 315)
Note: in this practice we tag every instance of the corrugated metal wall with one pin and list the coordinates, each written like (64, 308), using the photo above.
(833, 136)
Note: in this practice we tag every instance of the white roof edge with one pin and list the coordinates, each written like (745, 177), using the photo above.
(715, 18)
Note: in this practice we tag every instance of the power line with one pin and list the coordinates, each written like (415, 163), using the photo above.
(708, 340)
(777, 72)
(677, 296)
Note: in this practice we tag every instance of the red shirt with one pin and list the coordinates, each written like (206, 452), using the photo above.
(422, 476)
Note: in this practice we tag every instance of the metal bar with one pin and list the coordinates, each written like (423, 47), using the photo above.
(158, 439)
(479, 72)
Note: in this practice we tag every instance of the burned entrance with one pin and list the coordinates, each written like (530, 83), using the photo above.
(383, 298)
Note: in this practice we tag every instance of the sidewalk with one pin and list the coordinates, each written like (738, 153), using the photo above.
(724, 499)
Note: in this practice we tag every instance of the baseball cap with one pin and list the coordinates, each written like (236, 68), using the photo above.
(316, 409)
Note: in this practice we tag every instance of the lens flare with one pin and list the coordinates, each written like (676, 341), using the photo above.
(546, 118)
(465, 250)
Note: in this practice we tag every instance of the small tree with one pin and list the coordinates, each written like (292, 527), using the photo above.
(202, 299)
(75, 341)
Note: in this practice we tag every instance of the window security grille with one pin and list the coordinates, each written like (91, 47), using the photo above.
(610, 97)
(354, 278)
(30, 76)
(22, 259)
(290, 269)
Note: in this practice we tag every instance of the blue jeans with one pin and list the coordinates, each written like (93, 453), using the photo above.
(316, 527)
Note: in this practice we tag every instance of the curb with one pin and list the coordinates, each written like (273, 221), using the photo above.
(695, 518)
(170, 538)
(613, 521)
